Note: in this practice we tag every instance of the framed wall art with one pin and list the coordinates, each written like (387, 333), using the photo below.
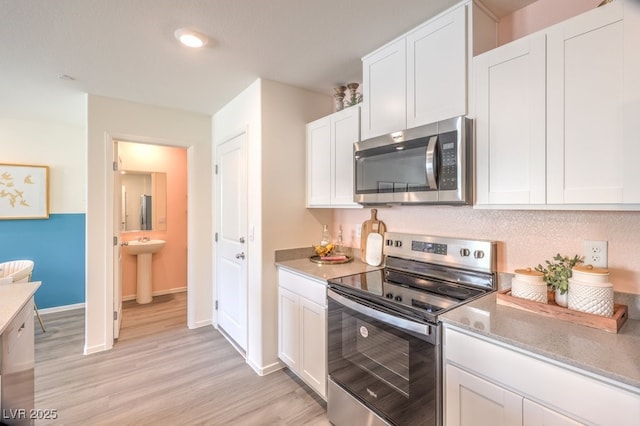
(24, 191)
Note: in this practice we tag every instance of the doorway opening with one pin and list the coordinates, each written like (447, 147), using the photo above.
(150, 220)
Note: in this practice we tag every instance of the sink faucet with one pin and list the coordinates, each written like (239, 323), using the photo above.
(143, 238)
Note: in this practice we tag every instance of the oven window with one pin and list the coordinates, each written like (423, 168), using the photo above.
(395, 373)
(379, 353)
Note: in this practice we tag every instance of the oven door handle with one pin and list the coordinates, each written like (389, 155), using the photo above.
(388, 319)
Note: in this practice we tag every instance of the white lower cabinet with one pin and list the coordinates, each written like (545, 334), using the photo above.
(17, 360)
(538, 415)
(490, 383)
(302, 328)
(472, 401)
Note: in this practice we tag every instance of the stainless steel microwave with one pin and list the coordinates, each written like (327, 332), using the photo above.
(429, 164)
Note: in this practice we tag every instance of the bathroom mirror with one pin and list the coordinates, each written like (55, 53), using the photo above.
(144, 201)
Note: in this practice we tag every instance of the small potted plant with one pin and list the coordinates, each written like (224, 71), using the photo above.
(556, 275)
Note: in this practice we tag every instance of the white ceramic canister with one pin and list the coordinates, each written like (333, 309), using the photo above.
(529, 284)
(590, 290)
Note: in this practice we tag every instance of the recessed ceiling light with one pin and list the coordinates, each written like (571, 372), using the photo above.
(190, 38)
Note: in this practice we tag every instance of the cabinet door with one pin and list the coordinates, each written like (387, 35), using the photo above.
(288, 328)
(345, 126)
(631, 103)
(319, 162)
(313, 348)
(437, 69)
(384, 90)
(510, 123)
(586, 91)
(538, 415)
(472, 401)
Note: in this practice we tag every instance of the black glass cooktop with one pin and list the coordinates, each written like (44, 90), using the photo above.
(420, 295)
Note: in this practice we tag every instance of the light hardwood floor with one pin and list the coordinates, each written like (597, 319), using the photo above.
(160, 372)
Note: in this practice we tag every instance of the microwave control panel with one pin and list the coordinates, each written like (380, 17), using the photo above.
(449, 161)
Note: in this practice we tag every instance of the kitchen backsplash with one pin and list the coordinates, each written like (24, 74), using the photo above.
(525, 238)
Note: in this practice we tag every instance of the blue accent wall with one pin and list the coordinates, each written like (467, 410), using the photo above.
(57, 246)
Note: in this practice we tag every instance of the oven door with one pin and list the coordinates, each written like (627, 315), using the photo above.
(388, 363)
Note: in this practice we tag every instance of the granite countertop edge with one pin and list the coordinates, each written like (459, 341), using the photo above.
(614, 357)
(13, 297)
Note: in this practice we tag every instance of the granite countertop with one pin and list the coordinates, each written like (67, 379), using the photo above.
(323, 271)
(13, 297)
(610, 355)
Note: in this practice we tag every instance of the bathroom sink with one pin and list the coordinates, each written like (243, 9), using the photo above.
(143, 247)
(144, 250)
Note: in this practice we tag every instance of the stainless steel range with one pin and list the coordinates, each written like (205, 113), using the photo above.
(384, 338)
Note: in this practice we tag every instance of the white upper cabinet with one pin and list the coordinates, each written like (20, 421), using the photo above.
(421, 77)
(437, 69)
(510, 123)
(330, 159)
(565, 100)
(319, 162)
(384, 86)
(590, 158)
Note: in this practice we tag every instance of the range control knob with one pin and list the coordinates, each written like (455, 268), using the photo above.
(464, 252)
(478, 254)
(398, 243)
(389, 295)
(398, 298)
(389, 242)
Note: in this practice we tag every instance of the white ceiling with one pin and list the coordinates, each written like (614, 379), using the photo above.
(125, 48)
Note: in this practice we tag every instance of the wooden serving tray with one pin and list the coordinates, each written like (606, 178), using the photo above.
(552, 310)
(319, 259)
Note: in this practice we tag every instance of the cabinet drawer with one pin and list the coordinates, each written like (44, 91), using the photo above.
(311, 289)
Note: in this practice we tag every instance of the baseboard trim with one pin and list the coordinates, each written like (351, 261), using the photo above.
(263, 371)
(95, 349)
(157, 293)
(199, 324)
(61, 308)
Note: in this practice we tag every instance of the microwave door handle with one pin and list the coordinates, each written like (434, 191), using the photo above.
(431, 162)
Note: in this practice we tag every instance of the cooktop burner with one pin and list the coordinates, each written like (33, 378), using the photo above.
(425, 276)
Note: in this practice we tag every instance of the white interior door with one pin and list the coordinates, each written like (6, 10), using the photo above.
(117, 248)
(231, 252)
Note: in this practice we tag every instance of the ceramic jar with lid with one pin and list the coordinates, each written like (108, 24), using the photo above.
(529, 284)
(590, 290)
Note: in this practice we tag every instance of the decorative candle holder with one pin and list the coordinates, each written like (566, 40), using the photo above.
(339, 97)
(354, 97)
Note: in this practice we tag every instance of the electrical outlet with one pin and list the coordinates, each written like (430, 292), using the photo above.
(595, 253)
(358, 230)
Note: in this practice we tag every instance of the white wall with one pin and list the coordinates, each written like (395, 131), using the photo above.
(111, 118)
(57, 145)
(286, 223)
(274, 116)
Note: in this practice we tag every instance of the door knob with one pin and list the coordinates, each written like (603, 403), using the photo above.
(240, 256)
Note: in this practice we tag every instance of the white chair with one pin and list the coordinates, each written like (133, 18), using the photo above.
(19, 271)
